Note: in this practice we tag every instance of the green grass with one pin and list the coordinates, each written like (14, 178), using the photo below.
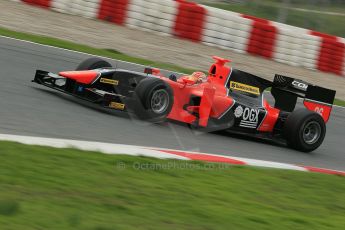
(47, 188)
(8, 207)
(339, 102)
(100, 52)
(331, 24)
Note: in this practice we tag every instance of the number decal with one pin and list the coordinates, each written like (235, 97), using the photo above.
(319, 110)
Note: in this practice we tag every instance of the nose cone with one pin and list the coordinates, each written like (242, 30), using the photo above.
(85, 77)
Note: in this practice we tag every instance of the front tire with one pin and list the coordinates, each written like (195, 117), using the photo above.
(154, 100)
(304, 130)
(93, 63)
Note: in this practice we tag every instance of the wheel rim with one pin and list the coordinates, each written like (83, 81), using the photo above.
(160, 101)
(311, 132)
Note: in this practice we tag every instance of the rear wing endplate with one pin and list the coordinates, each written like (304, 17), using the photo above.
(286, 90)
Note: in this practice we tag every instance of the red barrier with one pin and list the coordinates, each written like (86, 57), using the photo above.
(113, 11)
(265, 21)
(332, 54)
(42, 3)
(262, 38)
(190, 21)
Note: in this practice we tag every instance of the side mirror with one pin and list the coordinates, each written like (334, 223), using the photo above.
(173, 77)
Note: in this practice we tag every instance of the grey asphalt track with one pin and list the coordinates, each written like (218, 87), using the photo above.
(29, 109)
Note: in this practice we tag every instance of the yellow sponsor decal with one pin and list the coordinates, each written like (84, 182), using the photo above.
(116, 105)
(245, 88)
(109, 81)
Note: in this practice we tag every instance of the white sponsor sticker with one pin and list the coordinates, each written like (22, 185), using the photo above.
(250, 117)
(239, 111)
(300, 85)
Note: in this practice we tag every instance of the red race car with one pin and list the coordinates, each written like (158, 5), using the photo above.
(224, 99)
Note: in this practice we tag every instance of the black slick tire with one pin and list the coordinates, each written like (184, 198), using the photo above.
(154, 100)
(304, 130)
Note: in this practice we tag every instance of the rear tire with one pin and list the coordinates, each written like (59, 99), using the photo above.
(155, 100)
(304, 130)
(93, 63)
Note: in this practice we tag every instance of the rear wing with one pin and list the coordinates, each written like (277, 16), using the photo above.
(286, 90)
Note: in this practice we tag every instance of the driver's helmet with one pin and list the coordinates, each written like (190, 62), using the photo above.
(197, 77)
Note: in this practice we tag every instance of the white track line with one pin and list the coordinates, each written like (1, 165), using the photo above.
(106, 148)
(78, 52)
(109, 148)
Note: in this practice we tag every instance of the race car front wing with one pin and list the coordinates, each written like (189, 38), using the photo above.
(83, 91)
